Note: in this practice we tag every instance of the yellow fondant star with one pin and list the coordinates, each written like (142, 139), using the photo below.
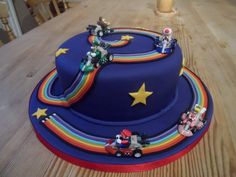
(61, 51)
(126, 38)
(140, 96)
(40, 112)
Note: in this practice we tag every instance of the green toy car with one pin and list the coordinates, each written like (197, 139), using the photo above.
(96, 57)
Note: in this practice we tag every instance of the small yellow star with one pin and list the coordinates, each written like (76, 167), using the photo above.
(61, 51)
(126, 38)
(40, 112)
(140, 96)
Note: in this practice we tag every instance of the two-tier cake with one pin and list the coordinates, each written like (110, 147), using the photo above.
(120, 99)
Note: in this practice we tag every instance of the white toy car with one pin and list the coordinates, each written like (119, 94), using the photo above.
(192, 121)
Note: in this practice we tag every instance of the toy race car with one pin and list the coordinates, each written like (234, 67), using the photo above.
(165, 43)
(102, 28)
(164, 46)
(98, 31)
(134, 148)
(97, 57)
(192, 121)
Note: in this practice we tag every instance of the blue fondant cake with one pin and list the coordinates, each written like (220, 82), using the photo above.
(119, 80)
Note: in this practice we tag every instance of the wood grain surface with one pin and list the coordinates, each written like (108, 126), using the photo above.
(204, 29)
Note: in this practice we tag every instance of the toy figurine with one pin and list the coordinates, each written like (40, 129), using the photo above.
(192, 121)
(102, 28)
(123, 140)
(96, 57)
(165, 43)
(127, 143)
(103, 23)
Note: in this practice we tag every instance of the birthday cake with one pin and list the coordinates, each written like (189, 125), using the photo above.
(121, 100)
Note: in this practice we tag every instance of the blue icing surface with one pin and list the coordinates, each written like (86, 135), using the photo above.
(138, 44)
(110, 91)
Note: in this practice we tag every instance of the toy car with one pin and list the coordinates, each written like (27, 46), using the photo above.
(98, 31)
(102, 28)
(137, 142)
(164, 46)
(165, 43)
(192, 121)
(97, 57)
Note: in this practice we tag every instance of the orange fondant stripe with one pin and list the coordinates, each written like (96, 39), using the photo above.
(130, 60)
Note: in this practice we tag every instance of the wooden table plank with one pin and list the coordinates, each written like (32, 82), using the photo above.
(205, 31)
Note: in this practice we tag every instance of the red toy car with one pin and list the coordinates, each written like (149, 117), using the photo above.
(192, 121)
(134, 149)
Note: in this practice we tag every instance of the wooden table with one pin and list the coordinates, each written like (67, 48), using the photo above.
(206, 32)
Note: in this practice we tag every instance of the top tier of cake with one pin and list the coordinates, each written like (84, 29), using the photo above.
(138, 83)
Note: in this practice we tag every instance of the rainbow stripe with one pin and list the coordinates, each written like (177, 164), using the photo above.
(199, 91)
(131, 58)
(140, 31)
(158, 143)
(116, 43)
(84, 80)
(141, 57)
(74, 93)
(138, 57)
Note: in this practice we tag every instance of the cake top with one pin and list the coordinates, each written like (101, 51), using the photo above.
(133, 71)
